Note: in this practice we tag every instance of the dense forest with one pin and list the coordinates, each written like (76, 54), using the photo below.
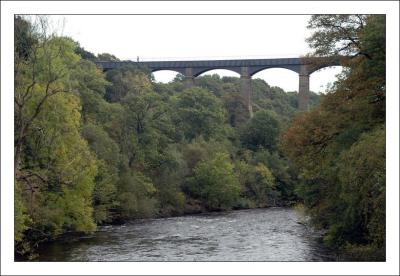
(95, 147)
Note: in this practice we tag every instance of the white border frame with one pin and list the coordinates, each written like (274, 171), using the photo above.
(8, 266)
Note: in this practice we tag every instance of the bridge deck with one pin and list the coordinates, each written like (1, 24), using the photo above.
(205, 63)
(254, 65)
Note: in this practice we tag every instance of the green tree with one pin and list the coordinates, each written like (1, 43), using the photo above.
(25, 40)
(136, 196)
(22, 221)
(107, 57)
(148, 123)
(127, 80)
(85, 54)
(200, 113)
(258, 183)
(336, 34)
(338, 148)
(362, 176)
(55, 169)
(211, 83)
(215, 183)
(261, 132)
(89, 82)
(285, 176)
(107, 153)
(42, 72)
(169, 179)
(236, 107)
(59, 170)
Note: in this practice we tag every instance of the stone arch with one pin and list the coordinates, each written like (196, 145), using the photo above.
(198, 72)
(293, 68)
(274, 74)
(165, 75)
(177, 70)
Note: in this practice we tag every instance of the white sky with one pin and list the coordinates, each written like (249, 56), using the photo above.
(162, 37)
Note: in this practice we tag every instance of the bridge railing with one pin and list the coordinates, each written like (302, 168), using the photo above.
(196, 58)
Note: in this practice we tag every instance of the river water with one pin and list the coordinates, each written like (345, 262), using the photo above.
(272, 234)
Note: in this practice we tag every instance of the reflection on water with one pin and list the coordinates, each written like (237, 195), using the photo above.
(272, 234)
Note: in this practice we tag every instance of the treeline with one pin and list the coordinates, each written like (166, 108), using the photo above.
(94, 147)
(338, 148)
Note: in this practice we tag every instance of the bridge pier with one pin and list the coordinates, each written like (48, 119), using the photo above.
(303, 66)
(189, 78)
(304, 89)
(245, 88)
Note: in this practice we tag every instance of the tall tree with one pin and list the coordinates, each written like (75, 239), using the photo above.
(200, 113)
(337, 34)
(261, 132)
(215, 183)
(43, 63)
(340, 177)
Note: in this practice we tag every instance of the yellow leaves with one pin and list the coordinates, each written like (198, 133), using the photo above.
(71, 168)
(149, 188)
(60, 152)
(215, 182)
(265, 174)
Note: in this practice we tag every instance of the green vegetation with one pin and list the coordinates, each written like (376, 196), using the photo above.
(94, 147)
(261, 131)
(338, 147)
(215, 183)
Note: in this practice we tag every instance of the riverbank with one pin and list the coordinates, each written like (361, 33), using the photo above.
(349, 253)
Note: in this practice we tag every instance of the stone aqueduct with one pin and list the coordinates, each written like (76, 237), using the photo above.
(245, 67)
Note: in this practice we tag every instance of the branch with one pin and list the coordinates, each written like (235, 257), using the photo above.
(361, 21)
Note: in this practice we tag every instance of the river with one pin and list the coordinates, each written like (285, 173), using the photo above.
(272, 234)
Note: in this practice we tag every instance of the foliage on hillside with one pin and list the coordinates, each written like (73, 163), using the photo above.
(338, 147)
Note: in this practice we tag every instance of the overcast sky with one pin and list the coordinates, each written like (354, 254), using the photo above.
(159, 37)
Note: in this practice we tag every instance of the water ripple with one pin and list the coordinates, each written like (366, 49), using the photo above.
(248, 235)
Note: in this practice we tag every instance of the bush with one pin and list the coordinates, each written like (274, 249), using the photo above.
(215, 183)
(257, 184)
(136, 196)
(261, 132)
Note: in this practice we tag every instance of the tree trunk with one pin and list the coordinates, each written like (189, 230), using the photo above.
(18, 148)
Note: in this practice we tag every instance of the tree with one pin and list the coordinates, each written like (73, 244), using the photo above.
(362, 176)
(127, 80)
(236, 107)
(200, 113)
(257, 182)
(106, 57)
(215, 183)
(169, 178)
(54, 168)
(25, 39)
(148, 121)
(283, 173)
(136, 196)
(211, 83)
(90, 83)
(261, 132)
(107, 153)
(85, 54)
(336, 34)
(58, 171)
(338, 148)
(42, 72)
